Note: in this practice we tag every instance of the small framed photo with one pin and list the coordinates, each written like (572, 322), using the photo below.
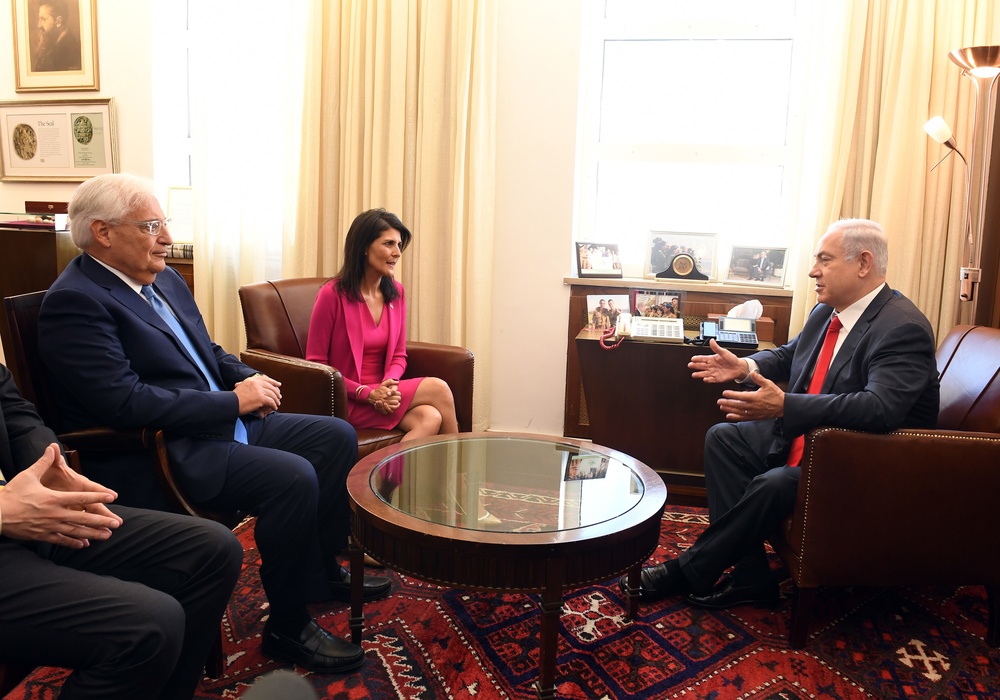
(57, 140)
(658, 304)
(579, 467)
(55, 45)
(757, 265)
(597, 260)
(603, 310)
(664, 246)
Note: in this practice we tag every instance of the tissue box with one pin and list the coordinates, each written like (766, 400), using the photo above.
(765, 327)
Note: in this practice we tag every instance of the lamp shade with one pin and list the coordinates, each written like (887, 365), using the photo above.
(980, 61)
(937, 128)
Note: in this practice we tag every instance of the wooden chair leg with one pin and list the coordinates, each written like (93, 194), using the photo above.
(802, 605)
(993, 621)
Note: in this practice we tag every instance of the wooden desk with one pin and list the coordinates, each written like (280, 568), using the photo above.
(700, 301)
(642, 401)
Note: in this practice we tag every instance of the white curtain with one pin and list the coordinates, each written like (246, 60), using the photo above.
(399, 113)
(246, 80)
(878, 69)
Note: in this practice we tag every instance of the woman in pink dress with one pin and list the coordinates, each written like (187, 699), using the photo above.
(359, 326)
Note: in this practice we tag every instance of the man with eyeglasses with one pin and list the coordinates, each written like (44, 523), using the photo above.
(127, 347)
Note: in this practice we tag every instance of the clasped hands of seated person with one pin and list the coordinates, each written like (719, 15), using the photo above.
(258, 394)
(768, 401)
(385, 397)
(49, 502)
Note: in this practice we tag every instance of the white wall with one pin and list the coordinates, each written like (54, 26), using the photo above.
(538, 45)
(537, 67)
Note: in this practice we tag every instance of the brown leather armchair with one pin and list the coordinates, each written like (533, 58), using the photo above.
(911, 507)
(276, 315)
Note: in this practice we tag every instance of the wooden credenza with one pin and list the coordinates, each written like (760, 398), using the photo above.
(640, 398)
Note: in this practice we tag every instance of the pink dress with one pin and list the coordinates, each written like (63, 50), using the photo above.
(362, 414)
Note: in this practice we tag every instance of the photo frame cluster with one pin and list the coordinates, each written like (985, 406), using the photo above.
(69, 140)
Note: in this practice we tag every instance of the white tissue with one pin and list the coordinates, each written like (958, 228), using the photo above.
(748, 309)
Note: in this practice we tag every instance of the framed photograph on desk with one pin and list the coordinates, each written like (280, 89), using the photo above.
(603, 310)
(597, 260)
(665, 246)
(658, 304)
(757, 265)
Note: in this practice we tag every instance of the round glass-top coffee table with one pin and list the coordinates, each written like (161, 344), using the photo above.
(506, 512)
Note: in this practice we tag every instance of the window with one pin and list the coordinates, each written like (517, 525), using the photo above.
(688, 124)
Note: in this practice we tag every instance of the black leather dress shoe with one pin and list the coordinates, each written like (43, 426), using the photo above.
(315, 650)
(660, 581)
(374, 587)
(729, 595)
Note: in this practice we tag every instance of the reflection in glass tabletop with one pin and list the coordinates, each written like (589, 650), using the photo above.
(500, 484)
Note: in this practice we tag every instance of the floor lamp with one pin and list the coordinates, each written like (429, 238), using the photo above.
(982, 66)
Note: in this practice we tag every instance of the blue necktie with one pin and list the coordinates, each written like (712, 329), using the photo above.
(167, 315)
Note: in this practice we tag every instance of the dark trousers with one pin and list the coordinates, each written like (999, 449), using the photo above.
(293, 477)
(747, 502)
(134, 616)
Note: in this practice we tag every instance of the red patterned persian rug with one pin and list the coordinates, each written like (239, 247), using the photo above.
(429, 642)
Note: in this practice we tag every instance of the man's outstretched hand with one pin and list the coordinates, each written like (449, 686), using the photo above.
(722, 366)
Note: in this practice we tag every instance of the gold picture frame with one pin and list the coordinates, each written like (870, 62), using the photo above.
(55, 45)
(57, 140)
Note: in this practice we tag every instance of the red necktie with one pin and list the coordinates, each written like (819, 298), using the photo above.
(819, 374)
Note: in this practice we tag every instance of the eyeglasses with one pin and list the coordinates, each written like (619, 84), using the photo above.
(152, 227)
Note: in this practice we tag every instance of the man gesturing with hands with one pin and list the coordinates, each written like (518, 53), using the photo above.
(127, 347)
(864, 360)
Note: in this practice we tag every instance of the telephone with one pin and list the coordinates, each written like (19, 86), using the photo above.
(651, 328)
(655, 328)
(623, 328)
(729, 332)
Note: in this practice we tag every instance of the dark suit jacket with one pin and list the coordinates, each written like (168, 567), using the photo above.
(23, 436)
(884, 376)
(116, 363)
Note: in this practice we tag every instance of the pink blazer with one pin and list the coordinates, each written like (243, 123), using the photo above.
(336, 335)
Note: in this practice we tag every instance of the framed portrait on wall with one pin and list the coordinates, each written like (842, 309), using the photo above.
(757, 265)
(55, 45)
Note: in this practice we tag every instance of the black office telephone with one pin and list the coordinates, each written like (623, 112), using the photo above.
(729, 332)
